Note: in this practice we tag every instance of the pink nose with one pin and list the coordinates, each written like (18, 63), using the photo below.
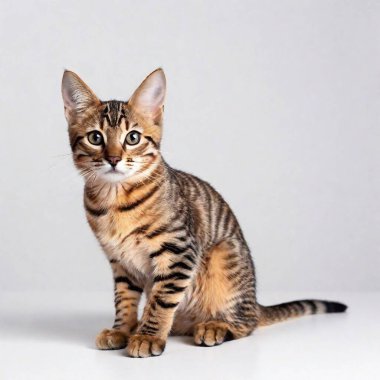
(113, 160)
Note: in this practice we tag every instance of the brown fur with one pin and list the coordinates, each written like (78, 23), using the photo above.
(165, 232)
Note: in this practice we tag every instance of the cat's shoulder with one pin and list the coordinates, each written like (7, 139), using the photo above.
(188, 181)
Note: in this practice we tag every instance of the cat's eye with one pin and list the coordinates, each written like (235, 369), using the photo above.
(133, 138)
(95, 138)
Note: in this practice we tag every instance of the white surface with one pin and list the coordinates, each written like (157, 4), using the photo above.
(276, 103)
(51, 336)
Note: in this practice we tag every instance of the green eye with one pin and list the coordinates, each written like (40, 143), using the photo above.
(95, 138)
(133, 138)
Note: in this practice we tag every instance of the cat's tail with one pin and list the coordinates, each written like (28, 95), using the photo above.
(287, 310)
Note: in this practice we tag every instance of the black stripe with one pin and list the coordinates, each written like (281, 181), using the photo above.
(131, 286)
(171, 276)
(166, 305)
(190, 258)
(140, 229)
(195, 184)
(149, 326)
(76, 142)
(176, 229)
(95, 212)
(148, 330)
(118, 302)
(312, 305)
(149, 138)
(174, 248)
(139, 202)
(169, 247)
(220, 212)
(180, 265)
(106, 116)
(227, 220)
(81, 155)
(301, 306)
(210, 212)
(156, 253)
(173, 288)
(219, 216)
(137, 230)
(157, 231)
(120, 299)
(334, 307)
(121, 114)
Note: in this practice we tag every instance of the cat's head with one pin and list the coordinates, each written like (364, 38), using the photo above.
(115, 141)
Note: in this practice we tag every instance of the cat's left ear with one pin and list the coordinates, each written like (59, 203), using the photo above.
(77, 96)
(148, 99)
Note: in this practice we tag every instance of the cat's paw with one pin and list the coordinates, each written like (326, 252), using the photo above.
(143, 346)
(211, 333)
(111, 339)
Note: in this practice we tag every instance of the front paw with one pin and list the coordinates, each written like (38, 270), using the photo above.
(111, 339)
(143, 346)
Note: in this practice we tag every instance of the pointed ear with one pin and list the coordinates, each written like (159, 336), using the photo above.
(77, 96)
(149, 98)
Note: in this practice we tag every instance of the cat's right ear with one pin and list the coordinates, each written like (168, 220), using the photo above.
(77, 96)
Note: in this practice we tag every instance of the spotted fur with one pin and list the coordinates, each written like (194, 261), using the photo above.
(165, 232)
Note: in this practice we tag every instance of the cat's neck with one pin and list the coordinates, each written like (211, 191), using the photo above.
(115, 192)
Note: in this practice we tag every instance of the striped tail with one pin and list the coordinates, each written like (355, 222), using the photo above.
(287, 310)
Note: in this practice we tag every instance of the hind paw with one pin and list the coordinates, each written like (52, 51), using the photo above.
(211, 333)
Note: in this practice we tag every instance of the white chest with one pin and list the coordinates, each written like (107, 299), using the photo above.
(132, 252)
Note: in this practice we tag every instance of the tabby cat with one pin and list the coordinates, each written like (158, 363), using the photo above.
(165, 232)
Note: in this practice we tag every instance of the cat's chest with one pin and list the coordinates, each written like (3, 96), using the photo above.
(120, 238)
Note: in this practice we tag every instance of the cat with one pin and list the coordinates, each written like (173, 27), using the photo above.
(165, 232)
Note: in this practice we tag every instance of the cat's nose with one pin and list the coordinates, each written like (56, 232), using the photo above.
(113, 160)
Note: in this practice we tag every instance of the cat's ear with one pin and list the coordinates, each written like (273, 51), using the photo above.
(77, 96)
(149, 98)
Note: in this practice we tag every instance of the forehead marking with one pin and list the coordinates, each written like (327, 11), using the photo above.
(113, 113)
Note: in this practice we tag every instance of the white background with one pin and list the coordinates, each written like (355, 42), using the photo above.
(275, 103)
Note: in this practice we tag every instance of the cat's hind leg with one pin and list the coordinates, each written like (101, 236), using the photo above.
(224, 295)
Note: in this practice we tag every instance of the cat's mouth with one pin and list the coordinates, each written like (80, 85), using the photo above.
(114, 171)
(114, 174)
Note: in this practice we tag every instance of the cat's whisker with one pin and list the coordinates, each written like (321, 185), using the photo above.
(62, 155)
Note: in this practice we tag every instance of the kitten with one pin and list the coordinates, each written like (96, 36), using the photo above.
(165, 232)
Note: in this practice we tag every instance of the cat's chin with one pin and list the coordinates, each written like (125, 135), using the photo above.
(114, 176)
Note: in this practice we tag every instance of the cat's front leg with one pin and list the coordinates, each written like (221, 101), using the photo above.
(127, 296)
(173, 268)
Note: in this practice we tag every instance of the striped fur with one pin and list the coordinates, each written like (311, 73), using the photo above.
(165, 232)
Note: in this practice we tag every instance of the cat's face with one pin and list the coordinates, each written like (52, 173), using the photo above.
(115, 141)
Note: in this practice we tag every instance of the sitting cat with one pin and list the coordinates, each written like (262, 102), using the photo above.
(165, 232)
